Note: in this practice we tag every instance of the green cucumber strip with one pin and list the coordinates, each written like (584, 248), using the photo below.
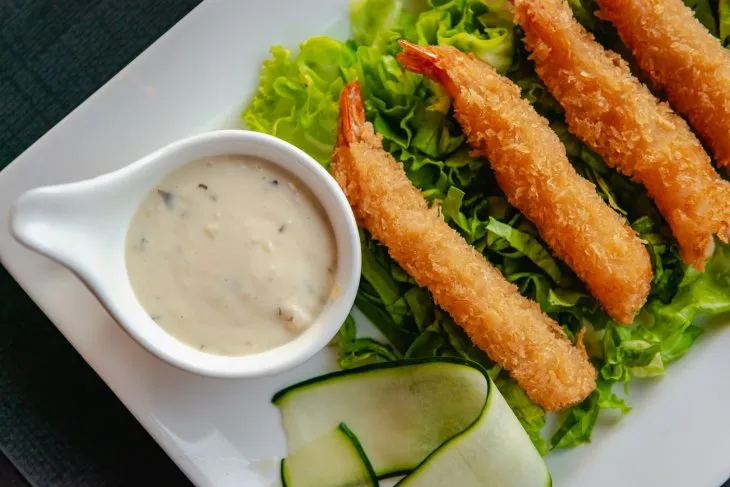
(351, 468)
(401, 412)
(495, 451)
(440, 418)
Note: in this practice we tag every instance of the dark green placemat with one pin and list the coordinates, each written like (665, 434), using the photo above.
(59, 423)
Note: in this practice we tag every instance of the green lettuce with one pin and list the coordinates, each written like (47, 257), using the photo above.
(297, 100)
(723, 17)
(372, 21)
(584, 11)
(481, 27)
(577, 427)
(356, 352)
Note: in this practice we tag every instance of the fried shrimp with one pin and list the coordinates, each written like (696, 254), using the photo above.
(683, 58)
(511, 329)
(621, 120)
(532, 168)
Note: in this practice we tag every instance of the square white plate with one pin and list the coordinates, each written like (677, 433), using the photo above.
(197, 77)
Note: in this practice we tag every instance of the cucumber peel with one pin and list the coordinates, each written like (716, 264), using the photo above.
(352, 468)
(440, 421)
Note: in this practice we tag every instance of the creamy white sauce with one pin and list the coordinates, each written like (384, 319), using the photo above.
(231, 255)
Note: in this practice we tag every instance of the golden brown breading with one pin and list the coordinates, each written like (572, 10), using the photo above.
(682, 57)
(511, 329)
(532, 168)
(621, 120)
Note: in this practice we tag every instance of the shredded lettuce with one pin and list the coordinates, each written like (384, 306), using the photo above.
(723, 17)
(577, 427)
(297, 101)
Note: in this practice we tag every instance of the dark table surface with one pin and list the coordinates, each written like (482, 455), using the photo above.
(59, 423)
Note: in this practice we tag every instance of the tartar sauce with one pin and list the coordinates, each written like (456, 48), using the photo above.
(232, 255)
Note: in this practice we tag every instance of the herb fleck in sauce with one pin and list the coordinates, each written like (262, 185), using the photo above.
(167, 198)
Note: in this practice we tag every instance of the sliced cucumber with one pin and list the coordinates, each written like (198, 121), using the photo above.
(350, 468)
(442, 420)
(400, 413)
(494, 451)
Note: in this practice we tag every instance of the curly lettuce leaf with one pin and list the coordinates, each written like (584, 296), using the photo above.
(296, 99)
(706, 293)
(482, 27)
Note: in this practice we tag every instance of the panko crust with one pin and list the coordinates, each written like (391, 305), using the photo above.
(533, 170)
(684, 59)
(620, 119)
(511, 329)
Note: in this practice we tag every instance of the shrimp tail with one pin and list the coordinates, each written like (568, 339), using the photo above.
(352, 115)
(422, 60)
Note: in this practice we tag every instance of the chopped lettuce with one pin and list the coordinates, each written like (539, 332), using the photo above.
(355, 352)
(723, 17)
(297, 101)
(577, 426)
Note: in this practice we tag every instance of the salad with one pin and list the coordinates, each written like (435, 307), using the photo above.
(297, 100)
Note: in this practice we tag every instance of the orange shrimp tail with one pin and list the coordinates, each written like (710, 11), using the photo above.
(352, 115)
(423, 60)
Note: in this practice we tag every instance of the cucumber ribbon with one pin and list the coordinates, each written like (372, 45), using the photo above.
(438, 421)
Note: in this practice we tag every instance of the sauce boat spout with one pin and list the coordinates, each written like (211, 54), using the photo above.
(74, 224)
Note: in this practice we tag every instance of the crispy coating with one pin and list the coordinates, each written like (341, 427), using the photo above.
(511, 329)
(620, 119)
(532, 168)
(682, 57)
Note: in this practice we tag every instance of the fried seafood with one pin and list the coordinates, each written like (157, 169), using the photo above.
(511, 329)
(532, 168)
(684, 59)
(620, 119)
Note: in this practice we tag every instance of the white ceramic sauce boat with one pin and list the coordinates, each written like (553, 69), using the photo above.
(83, 226)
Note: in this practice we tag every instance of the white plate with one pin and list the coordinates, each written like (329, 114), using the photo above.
(224, 432)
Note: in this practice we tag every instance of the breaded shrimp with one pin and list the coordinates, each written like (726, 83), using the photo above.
(532, 168)
(682, 57)
(511, 329)
(620, 119)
